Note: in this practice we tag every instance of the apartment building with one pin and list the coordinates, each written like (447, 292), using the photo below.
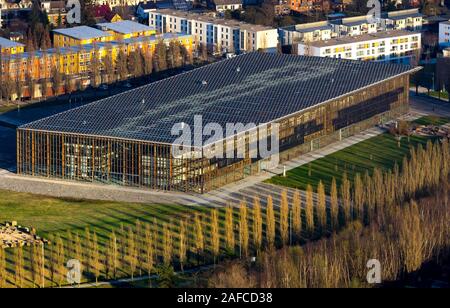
(444, 33)
(114, 3)
(310, 32)
(402, 20)
(216, 33)
(353, 26)
(77, 60)
(81, 35)
(10, 47)
(226, 5)
(126, 29)
(394, 46)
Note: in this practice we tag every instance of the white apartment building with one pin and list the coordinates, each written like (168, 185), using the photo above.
(223, 35)
(353, 26)
(114, 3)
(402, 20)
(227, 5)
(444, 33)
(395, 45)
(310, 32)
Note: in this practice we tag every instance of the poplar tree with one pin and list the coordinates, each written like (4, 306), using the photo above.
(122, 67)
(182, 251)
(369, 196)
(40, 263)
(346, 199)
(139, 244)
(70, 244)
(112, 256)
(284, 218)
(321, 207)
(358, 198)
(147, 61)
(334, 205)
(78, 249)
(229, 229)
(270, 223)
(309, 209)
(96, 260)
(215, 234)
(199, 237)
(122, 245)
(257, 224)
(60, 258)
(160, 57)
(378, 188)
(297, 214)
(243, 227)
(3, 271)
(167, 245)
(131, 251)
(87, 250)
(53, 262)
(33, 265)
(149, 251)
(19, 268)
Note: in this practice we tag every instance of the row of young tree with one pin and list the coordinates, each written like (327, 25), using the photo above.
(106, 70)
(246, 230)
(403, 238)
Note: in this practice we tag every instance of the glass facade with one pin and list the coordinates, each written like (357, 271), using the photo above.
(152, 165)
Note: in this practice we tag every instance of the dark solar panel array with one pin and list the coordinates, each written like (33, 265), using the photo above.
(252, 88)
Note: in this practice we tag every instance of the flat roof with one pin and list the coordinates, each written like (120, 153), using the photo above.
(207, 17)
(401, 14)
(124, 27)
(254, 88)
(400, 17)
(5, 43)
(362, 38)
(82, 32)
(354, 21)
(309, 27)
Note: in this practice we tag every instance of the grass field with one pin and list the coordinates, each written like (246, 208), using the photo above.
(430, 120)
(51, 216)
(54, 215)
(381, 151)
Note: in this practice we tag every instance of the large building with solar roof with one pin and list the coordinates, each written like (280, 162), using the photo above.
(126, 139)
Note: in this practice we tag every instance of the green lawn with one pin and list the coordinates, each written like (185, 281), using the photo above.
(380, 151)
(430, 120)
(51, 216)
(436, 94)
(56, 215)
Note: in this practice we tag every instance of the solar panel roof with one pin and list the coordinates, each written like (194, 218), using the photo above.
(251, 88)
